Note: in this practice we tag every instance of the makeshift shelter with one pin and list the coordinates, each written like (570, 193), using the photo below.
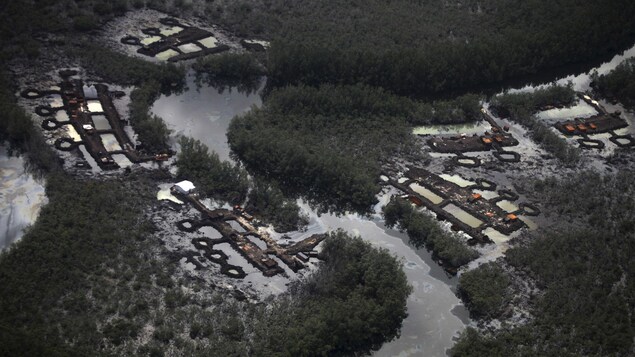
(184, 187)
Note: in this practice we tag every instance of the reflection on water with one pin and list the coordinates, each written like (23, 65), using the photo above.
(488, 195)
(122, 160)
(110, 142)
(431, 324)
(171, 30)
(463, 216)
(101, 122)
(581, 81)
(165, 55)
(21, 198)
(581, 110)
(466, 128)
(94, 106)
(467, 161)
(210, 232)
(431, 196)
(62, 116)
(72, 133)
(531, 225)
(189, 48)
(208, 42)
(204, 113)
(457, 180)
(507, 206)
(148, 40)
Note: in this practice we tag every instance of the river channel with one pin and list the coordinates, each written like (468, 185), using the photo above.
(436, 315)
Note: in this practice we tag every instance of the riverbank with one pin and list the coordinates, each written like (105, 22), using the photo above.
(21, 198)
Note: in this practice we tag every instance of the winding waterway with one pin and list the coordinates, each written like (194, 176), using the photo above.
(434, 312)
(436, 315)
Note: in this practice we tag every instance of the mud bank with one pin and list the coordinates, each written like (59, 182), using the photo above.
(21, 198)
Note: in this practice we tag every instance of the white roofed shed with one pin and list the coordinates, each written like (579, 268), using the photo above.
(184, 187)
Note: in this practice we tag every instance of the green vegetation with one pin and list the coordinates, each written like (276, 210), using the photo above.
(424, 230)
(18, 131)
(484, 290)
(267, 201)
(224, 181)
(466, 108)
(86, 279)
(151, 129)
(354, 303)
(583, 269)
(520, 107)
(618, 84)
(240, 70)
(121, 69)
(92, 260)
(416, 48)
(322, 143)
(78, 260)
(215, 178)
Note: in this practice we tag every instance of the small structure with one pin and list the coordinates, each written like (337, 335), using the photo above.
(511, 217)
(161, 157)
(184, 187)
(415, 200)
(303, 257)
(475, 197)
(88, 128)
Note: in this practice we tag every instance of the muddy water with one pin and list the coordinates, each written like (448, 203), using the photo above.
(435, 314)
(433, 309)
(463, 216)
(431, 196)
(580, 110)
(460, 181)
(507, 206)
(204, 113)
(580, 81)
(21, 198)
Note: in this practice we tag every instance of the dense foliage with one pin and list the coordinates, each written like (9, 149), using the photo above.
(227, 182)
(266, 200)
(484, 290)
(354, 303)
(520, 107)
(586, 308)
(214, 177)
(421, 47)
(19, 132)
(151, 129)
(125, 70)
(240, 70)
(619, 84)
(323, 142)
(424, 230)
(72, 261)
(89, 279)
